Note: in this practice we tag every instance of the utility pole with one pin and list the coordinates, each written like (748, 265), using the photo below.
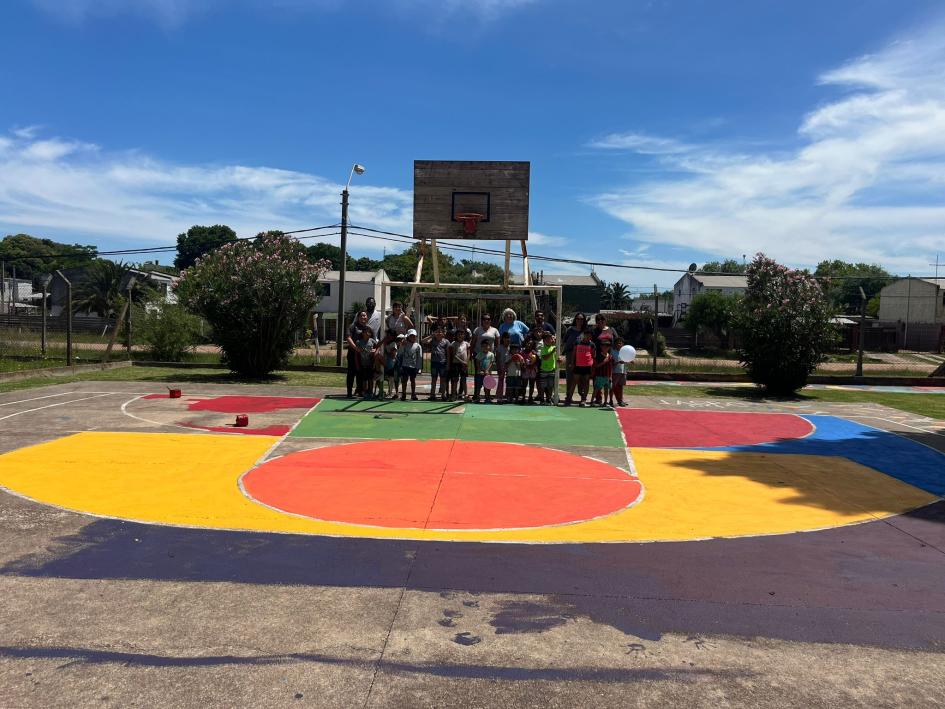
(859, 354)
(342, 269)
(936, 266)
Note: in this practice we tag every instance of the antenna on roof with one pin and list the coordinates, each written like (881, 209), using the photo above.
(693, 267)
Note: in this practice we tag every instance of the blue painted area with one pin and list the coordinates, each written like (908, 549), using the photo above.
(886, 452)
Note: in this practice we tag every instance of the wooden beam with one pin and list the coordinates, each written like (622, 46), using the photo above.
(508, 260)
(436, 261)
(528, 275)
(416, 278)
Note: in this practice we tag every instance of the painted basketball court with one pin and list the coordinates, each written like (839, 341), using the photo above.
(350, 549)
(469, 473)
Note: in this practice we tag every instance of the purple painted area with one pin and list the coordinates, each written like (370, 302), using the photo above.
(870, 584)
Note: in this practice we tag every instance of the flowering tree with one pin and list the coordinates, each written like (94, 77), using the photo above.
(785, 326)
(256, 295)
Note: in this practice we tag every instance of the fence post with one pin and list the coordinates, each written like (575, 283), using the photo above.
(68, 317)
(131, 284)
(656, 324)
(859, 354)
(42, 343)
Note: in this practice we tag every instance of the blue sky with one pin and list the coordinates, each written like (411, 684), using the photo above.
(660, 132)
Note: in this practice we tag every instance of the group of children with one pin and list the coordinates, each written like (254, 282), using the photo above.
(598, 365)
(519, 369)
(523, 373)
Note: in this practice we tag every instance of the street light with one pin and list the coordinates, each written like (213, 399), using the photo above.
(342, 271)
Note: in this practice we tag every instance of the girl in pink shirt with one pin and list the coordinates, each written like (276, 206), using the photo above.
(584, 352)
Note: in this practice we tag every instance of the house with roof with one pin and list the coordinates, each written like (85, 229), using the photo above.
(359, 286)
(692, 284)
(579, 293)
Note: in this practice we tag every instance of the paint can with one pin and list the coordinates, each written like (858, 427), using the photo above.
(241, 420)
(173, 393)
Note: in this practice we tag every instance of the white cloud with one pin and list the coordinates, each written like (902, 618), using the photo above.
(538, 239)
(640, 143)
(54, 186)
(865, 185)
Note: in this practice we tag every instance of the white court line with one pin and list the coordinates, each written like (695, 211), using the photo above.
(48, 396)
(49, 406)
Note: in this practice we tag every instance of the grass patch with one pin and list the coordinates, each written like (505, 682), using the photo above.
(932, 405)
(167, 375)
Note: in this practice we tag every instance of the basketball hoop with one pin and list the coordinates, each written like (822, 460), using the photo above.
(470, 221)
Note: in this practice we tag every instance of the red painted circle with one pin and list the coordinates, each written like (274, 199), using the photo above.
(668, 428)
(442, 485)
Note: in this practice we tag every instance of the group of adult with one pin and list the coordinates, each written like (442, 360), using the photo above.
(399, 322)
(370, 318)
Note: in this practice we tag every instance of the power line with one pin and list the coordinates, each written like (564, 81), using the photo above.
(406, 239)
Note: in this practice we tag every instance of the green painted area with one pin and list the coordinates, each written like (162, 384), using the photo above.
(424, 420)
(340, 418)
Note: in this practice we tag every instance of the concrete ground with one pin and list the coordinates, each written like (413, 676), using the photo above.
(100, 612)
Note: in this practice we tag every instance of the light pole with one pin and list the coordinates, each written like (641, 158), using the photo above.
(339, 326)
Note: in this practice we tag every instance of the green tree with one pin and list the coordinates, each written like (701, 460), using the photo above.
(200, 240)
(729, 265)
(256, 295)
(785, 326)
(842, 281)
(618, 296)
(104, 289)
(168, 330)
(33, 257)
(716, 313)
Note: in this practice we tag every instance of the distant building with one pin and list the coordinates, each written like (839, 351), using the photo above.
(578, 293)
(16, 295)
(917, 308)
(359, 286)
(692, 284)
(914, 300)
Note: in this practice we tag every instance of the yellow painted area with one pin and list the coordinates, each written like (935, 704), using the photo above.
(192, 480)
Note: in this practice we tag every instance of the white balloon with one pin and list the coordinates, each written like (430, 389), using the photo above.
(627, 354)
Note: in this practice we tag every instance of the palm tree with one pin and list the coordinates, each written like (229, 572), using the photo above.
(105, 288)
(618, 296)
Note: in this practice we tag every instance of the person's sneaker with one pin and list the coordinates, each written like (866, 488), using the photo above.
(403, 397)
(432, 397)
(413, 397)
(583, 405)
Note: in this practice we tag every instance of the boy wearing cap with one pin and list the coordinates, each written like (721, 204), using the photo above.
(412, 362)
(439, 361)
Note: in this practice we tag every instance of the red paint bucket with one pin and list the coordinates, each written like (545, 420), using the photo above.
(242, 420)
(173, 393)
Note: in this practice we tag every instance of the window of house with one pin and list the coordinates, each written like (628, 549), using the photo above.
(326, 287)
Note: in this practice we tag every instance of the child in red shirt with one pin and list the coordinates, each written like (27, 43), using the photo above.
(583, 363)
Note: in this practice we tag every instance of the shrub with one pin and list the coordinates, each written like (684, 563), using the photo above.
(715, 312)
(169, 331)
(785, 326)
(256, 295)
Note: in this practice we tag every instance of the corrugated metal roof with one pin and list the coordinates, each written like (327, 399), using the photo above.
(563, 279)
(734, 280)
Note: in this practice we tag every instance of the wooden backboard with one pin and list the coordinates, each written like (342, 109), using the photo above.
(496, 189)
